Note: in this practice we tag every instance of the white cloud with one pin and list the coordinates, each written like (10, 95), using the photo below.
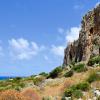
(98, 3)
(72, 34)
(58, 50)
(23, 49)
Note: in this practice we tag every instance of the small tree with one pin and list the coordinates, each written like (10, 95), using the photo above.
(55, 72)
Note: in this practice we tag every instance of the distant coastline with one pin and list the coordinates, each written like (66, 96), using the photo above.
(5, 77)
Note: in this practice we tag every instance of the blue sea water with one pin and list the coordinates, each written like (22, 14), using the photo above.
(8, 77)
(4, 77)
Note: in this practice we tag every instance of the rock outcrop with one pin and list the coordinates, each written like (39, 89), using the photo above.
(88, 43)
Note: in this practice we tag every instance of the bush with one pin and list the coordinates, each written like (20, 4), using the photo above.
(68, 92)
(38, 80)
(76, 90)
(79, 67)
(98, 98)
(22, 85)
(46, 98)
(55, 72)
(83, 86)
(72, 92)
(16, 80)
(93, 77)
(17, 88)
(94, 60)
(69, 74)
(44, 74)
(77, 94)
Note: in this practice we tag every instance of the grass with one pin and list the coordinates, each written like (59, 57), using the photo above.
(75, 84)
(94, 60)
(80, 67)
(93, 76)
(76, 90)
(69, 73)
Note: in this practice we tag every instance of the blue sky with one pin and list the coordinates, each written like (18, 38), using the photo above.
(34, 33)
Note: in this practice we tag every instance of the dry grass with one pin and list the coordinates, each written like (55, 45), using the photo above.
(75, 79)
(12, 95)
(96, 85)
(31, 93)
(53, 89)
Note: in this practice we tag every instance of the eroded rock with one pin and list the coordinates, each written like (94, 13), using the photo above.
(88, 43)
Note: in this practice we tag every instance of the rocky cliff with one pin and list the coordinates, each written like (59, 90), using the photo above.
(88, 43)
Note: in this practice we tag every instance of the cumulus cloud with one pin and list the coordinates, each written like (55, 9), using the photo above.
(23, 49)
(72, 34)
(58, 50)
(98, 3)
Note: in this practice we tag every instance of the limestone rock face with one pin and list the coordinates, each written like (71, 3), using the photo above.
(88, 43)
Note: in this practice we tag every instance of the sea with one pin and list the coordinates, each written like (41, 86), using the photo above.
(5, 77)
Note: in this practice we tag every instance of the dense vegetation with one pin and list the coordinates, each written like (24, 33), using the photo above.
(76, 90)
(94, 76)
(94, 60)
(69, 73)
(80, 67)
(55, 72)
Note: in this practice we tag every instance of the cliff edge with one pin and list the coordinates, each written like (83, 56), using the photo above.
(88, 44)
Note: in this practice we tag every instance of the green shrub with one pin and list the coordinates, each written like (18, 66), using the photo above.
(79, 67)
(63, 98)
(69, 74)
(16, 80)
(32, 76)
(2, 88)
(76, 90)
(98, 98)
(68, 92)
(44, 74)
(55, 72)
(72, 92)
(22, 85)
(94, 60)
(46, 98)
(93, 77)
(77, 94)
(83, 86)
(38, 80)
(17, 88)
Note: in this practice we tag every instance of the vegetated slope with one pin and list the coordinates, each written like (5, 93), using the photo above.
(53, 88)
